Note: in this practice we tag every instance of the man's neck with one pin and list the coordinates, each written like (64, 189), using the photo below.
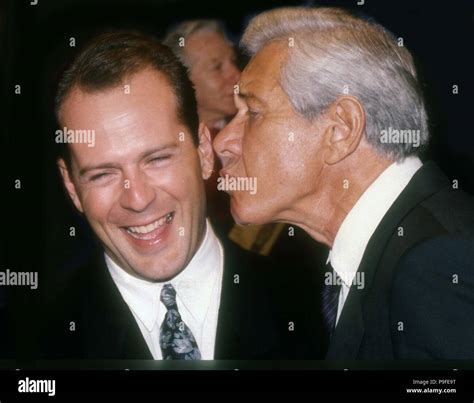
(322, 214)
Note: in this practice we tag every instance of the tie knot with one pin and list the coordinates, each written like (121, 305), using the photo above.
(168, 296)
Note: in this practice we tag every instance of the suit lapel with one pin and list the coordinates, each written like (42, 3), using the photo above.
(245, 327)
(111, 330)
(245, 330)
(349, 332)
(227, 335)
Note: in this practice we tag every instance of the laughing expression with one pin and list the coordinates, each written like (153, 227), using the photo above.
(141, 185)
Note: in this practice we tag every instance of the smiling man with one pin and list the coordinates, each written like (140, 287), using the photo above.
(317, 99)
(164, 287)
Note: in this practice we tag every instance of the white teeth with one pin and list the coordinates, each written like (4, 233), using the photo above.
(145, 229)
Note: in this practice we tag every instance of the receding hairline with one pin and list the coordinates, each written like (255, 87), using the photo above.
(247, 93)
(339, 52)
(188, 28)
(302, 19)
(86, 89)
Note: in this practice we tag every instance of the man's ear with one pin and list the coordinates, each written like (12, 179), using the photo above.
(346, 129)
(69, 184)
(206, 153)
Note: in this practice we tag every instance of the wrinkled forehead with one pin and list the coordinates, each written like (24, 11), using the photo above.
(262, 75)
(205, 45)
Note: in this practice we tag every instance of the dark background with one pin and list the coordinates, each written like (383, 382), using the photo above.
(34, 46)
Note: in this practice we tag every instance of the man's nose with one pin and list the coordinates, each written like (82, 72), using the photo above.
(228, 142)
(137, 193)
(234, 74)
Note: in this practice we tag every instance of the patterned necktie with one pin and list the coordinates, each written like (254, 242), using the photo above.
(330, 301)
(176, 340)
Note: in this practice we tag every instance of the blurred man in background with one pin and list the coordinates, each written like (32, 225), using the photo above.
(211, 60)
(205, 49)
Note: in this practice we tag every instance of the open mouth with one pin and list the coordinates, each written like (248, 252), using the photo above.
(151, 233)
(144, 231)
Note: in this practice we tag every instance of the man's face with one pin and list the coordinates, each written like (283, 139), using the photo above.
(213, 73)
(140, 187)
(270, 141)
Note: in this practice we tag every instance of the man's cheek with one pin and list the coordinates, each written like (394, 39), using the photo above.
(95, 204)
(253, 148)
(178, 182)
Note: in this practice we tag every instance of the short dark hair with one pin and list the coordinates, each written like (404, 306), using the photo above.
(110, 57)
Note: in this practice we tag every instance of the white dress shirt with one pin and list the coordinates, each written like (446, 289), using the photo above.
(198, 291)
(361, 222)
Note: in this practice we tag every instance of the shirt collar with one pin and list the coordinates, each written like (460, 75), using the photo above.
(194, 284)
(362, 220)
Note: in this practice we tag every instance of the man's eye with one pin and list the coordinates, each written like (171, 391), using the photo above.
(97, 177)
(159, 159)
(217, 66)
(252, 114)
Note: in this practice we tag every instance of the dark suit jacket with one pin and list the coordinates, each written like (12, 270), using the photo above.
(249, 325)
(418, 299)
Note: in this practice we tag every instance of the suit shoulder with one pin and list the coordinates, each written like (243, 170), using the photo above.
(71, 285)
(453, 209)
(432, 295)
(67, 296)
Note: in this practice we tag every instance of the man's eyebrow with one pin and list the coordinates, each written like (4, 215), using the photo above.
(164, 147)
(105, 165)
(225, 55)
(144, 154)
(246, 96)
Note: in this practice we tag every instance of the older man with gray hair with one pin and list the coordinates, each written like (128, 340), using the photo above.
(203, 47)
(331, 121)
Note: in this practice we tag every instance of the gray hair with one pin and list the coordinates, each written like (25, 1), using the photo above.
(176, 37)
(332, 53)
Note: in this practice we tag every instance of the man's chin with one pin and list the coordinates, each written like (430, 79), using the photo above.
(161, 266)
(158, 274)
(248, 216)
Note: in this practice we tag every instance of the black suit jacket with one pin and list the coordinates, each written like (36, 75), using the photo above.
(249, 325)
(418, 298)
